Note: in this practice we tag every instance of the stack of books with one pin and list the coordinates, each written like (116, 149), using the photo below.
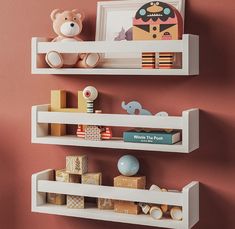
(152, 137)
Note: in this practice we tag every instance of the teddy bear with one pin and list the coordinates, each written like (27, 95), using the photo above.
(68, 25)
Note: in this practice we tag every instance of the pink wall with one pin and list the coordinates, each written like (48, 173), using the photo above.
(212, 91)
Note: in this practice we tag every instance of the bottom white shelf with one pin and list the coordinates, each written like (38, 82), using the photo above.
(108, 215)
(188, 199)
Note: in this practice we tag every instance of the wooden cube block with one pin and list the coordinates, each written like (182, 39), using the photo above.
(92, 178)
(126, 207)
(76, 164)
(63, 176)
(75, 202)
(58, 199)
(130, 182)
(92, 133)
(105, 204)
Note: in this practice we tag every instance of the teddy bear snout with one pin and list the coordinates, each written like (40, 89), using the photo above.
(70, 29)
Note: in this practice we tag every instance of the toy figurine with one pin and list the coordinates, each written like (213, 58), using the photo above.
(157, 21)
(135, 107)
(68, 25)
(90, 94)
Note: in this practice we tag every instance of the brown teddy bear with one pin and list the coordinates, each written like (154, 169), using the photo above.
(68, 25)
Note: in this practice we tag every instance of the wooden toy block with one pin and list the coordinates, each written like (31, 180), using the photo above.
(75, 202)
(92, 133)
(130, 182)
(58, 104)
(105, 204)
(63, 176)
(54, 198)
(58, 129)
(76, 164)
(126, 207)
(92, 178)
(58, 100)
(103, 133)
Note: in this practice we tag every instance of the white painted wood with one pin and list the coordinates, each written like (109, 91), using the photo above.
(188, 123)
(99, 191)
(38, 129)
(191, 204)
(109, 144)
(113, 46)
(122, 120)
(40, 47)
(39, 198)
(188, 199)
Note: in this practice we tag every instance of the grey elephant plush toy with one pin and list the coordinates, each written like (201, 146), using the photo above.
(135, 107)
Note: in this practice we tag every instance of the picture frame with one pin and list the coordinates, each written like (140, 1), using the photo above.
(109, 24)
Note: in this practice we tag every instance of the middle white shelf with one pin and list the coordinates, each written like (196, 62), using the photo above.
(188, 123)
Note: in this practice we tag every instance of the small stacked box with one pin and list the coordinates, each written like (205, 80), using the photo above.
(96, 179)
(76, 166)
(136, 182)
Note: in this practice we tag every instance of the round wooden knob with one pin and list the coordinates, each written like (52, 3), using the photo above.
(90, 93)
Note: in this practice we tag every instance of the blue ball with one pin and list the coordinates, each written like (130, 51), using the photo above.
(128, 165)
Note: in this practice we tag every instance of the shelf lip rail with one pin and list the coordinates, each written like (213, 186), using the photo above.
(113, 46)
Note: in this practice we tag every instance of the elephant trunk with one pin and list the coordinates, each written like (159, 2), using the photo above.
(124, 106)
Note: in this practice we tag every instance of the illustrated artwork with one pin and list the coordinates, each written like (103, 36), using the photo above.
(157, 21)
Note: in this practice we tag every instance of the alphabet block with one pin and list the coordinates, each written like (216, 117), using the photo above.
(105, 204)
(63, 176)
(76, 164)
(130, 182)
(54, 198)
(126, 207)
(58, 104)
(75, 202)
(92, 178)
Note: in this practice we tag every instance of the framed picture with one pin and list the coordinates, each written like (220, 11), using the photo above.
(114, 21)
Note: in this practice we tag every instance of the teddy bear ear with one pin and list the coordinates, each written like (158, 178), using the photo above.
(54, 14)
(80, 15)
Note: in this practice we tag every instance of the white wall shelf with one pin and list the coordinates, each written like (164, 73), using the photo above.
(188, 199)
(188, 46)
(188, 123)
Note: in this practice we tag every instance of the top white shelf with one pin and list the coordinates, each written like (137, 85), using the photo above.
(188, 46)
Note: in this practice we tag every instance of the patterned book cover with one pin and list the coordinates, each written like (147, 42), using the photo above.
(152, 137)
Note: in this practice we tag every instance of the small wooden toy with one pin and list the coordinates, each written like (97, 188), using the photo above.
(126, 207)
(63, 176)
(90, 94)
(92, 133)
(157, 21)
(130, 182)
(135, 107)
(176, 213)
(58, 104)
(156, 212)
(75, 202)
(145, 208)
(105, 133)
(128, 165)
(92, 178)
(57, 199)
(76, 164)
(105, 204)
